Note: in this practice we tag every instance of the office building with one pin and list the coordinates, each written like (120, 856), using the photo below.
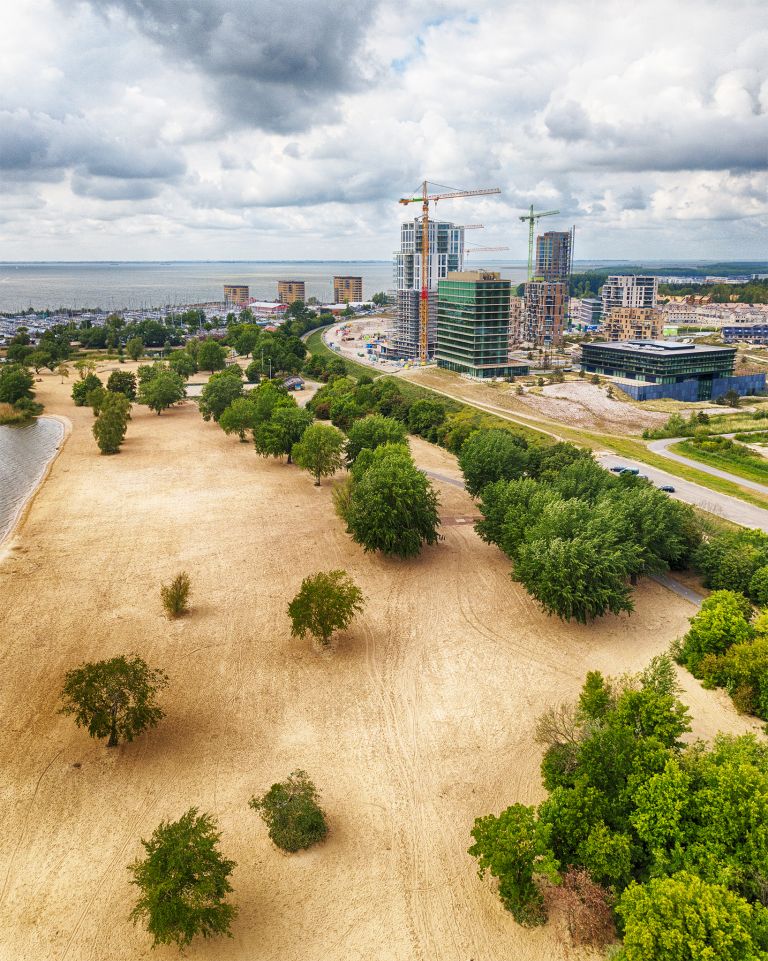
(543, 318)
(290, 290)
(446, 254)
(629, 291)
(647, 370)
(554, 256)
(634, 323)
(347, 290)
(473, 324)
(236, 295)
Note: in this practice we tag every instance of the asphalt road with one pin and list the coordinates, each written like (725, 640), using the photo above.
(661, 447)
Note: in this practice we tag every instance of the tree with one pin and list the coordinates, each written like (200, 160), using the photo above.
(253, 372)
(82, 388)
(320, 451)
(16, 383)
(425, 416)
(182, 363)
(513, 848)
(63, 371)
(372, 432)
(723, 620)
(393, 506)
(211, 355)
(326, 603)
(114, 698)
(175, 596)
(122, 382)
(240, 416)
(683, 918)
(184, 881)
(39, 359)
(290, 810)
(220, 391)
(112, 421)
(492, 455)
(284, 429)
(380, 299)
(162, 391)
(134, 347)
(84, 367)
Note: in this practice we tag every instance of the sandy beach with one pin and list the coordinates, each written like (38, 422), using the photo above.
(418, 720)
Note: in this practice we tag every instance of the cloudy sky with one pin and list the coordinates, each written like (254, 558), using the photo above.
(258, 129)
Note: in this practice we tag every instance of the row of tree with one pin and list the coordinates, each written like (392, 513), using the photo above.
(664, 838)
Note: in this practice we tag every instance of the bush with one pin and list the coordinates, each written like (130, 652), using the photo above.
(175, 596)
(372, 432)
(122, 382)
(81, 389)
(587, 908)
(722, 621)
(290, 810)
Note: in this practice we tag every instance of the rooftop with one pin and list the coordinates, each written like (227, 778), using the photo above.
(660, 348)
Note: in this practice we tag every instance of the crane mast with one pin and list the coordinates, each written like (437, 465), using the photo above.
(532, 217)
(424, 200)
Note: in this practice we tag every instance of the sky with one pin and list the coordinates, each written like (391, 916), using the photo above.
(288, 129)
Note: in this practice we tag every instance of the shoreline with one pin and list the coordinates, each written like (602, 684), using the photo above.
(20, 514)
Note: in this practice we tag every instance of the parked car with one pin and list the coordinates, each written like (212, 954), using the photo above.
(667, 488)
(617, 468)
(630, 470)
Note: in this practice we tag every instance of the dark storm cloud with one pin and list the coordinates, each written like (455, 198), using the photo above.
(111, 188)
(273, 65)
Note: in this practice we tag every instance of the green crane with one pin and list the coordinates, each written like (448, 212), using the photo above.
(532, 217)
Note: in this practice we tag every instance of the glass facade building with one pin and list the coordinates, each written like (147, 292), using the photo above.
(473, 325)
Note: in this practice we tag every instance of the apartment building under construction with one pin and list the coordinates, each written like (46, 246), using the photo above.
(543, 313)
(633, 323)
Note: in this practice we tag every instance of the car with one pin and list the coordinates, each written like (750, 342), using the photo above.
(630, 470)
(617, 468)
(667, 488)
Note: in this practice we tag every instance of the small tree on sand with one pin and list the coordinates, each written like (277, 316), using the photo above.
(327, 602)
(114, 698)
(290, 810)
(175, 595)
(184, 880)
(63, 371)
(320, 451)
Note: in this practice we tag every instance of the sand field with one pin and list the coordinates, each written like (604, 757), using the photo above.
(419, 719)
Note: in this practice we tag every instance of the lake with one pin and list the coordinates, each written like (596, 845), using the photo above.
(25, 452)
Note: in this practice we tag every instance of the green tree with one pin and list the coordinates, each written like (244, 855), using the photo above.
(291, 812)
(425, 417)
(122, 382)
(164, 390)
(134, 347)
(62, 371)
(39, 359)
(184, 881)
(114, 698)
(492, 455)
(16, 383)
(758, 586)
(372, 432)
(326, 602)
(513, 848)
(253, 372)
(220, 391)
(182, 363)
(211, 355)
(724, 619)
(320, 451)
(82, 388)
(112, 421)
(284, 429)
(393, 506)
(682, 918)
(240, 416)
(84, 367)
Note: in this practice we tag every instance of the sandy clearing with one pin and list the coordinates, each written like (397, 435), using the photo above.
(419, 720)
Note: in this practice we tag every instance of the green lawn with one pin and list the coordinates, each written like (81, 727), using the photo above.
(316, 346)
(754, 470)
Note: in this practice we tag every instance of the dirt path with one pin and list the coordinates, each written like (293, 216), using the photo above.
(420, 719)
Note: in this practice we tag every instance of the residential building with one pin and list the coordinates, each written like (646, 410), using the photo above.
(473, 324)
(516, 318)
(348, 289)
(588, 313)
(629, 291)
(236, 295)
(290, 290)
(647, 370)
(544, 313)
(446, 254)
(756, 334)
(634, 323)
(554, 256)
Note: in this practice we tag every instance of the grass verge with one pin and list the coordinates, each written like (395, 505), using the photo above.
(757, 472)
(9, 415)
(316, 346)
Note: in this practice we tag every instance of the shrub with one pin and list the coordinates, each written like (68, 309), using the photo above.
(81, 389)
(587, 908)
(175, 596)
(290, 810)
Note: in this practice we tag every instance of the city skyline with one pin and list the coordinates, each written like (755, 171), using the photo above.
(223, 129)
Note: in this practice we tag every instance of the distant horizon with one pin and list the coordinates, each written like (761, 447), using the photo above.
(305, 260)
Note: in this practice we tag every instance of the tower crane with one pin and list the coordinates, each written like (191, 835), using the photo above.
(482, 250)
(425, 200)
(532, 217)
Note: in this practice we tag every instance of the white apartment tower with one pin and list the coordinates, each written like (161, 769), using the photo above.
(446, 254)
(630, 291)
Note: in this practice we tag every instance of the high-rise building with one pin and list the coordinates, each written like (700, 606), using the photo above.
(236, 295)
(634, 323)
(629, 291)
(290, 290)
(347, 290)
(554, 256)
(473, 324)
(544, 309)
(446, 254)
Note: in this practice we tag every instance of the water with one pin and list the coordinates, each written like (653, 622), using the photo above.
(117, 285)
(25, 451)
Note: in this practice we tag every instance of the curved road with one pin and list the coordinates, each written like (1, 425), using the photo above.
(661, 447)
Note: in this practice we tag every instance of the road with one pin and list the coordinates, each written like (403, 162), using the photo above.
(662, 447)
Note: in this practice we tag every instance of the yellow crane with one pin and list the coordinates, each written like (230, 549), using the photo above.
(532, 217)
(425, 199)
